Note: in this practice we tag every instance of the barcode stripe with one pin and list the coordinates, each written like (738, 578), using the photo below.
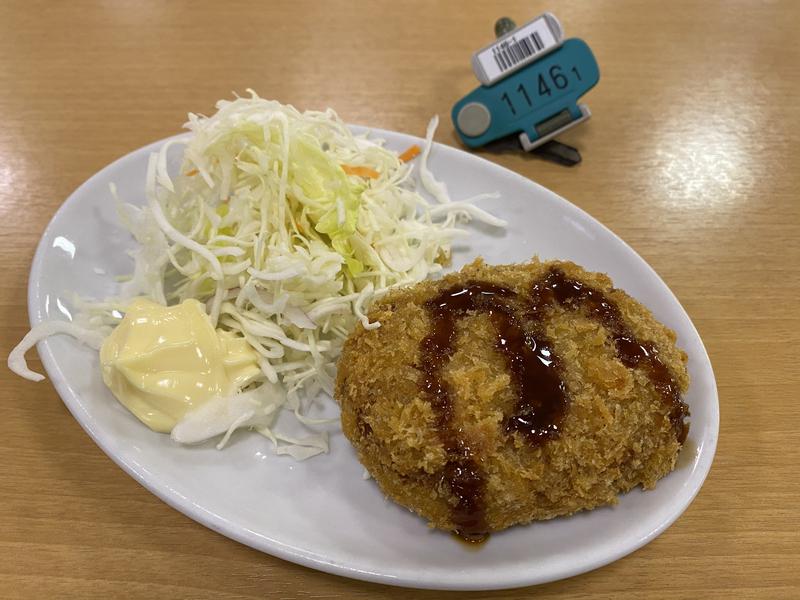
(526, 45)
(502, 61)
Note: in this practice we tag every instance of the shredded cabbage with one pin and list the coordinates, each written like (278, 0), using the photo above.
(264, 226)
(16, 358)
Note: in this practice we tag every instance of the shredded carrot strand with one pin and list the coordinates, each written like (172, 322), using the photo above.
(191, 173)
(361, 171)
(411, 153)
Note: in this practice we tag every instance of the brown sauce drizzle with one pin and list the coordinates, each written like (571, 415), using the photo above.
(557, 288)
(532, 366)
(535, 372)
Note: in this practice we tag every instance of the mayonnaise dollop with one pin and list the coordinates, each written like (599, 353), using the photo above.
(162, 362)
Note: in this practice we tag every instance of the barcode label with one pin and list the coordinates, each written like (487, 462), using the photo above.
(511, 51)
(521, 47)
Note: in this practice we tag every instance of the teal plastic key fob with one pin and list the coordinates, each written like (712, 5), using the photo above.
(537, 101)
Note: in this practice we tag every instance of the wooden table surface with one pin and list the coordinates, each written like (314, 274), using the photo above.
(692, 156)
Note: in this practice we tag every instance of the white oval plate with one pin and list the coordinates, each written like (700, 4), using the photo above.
(322, 513)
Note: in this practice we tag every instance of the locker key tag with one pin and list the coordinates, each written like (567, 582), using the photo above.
(531, 80)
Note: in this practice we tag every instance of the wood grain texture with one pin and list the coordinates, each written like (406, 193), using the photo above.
(692, 156)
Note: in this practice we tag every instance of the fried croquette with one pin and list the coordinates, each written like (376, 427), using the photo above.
(502, 395)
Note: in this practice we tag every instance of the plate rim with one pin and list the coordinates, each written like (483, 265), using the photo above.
(175, 500)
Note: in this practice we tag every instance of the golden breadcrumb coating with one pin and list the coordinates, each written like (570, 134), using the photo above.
(616, 432)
